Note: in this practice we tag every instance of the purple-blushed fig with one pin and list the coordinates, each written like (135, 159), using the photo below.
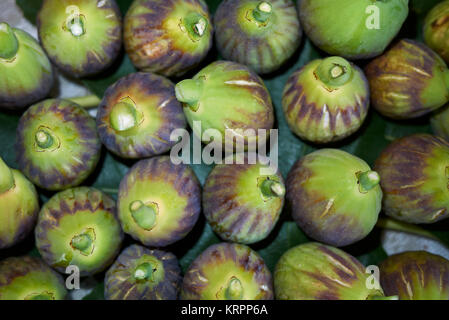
(436, 27)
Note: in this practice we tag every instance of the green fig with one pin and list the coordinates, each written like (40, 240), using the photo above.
(227, 271)
(440, 122)
(57, 144)
(436, 27)
(81, 37)
(314, 271)
(26, 75)
(414, 171)
(260, 34)
(143, 274)
(168, 37)
(359, 29)
(159, 202)
(326, 100)
(79, 227)
(408, 81)
(29, 278)
(137, 115)
(335, 196)
(417, 275)
(19, 205)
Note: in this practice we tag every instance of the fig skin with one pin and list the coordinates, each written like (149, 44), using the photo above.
(79, 227)
(340, 27)
(137, 115)
(241, 203)
(440, 123)
(129, 278)
(20, 206)
(206, 98)
(335, 197)
(168, 37)
(69, 149)
(264, 43)
(99, 25)
(417, 275)
(314, 271)
(227, 271)
(414, 173)
(159, 202)
(436, 28)
(408, 81)
(322, 108)
(26, 75)
(29, 278)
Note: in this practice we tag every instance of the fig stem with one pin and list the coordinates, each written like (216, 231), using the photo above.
(6, 177)
(44, 139)
(368, 180)
(271, 188)
(82, 242)
(144, 271)
(234, 291)
(123, 116)
(334, 71)
(87, 102)
(391, 224)
(196, 25)
(189, 92)
(76, 26)
(263, 12)
(145, 216)
(9, 45)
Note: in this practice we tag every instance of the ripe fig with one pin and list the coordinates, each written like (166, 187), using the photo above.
(143, 274)
(227, 271)
(335, 196)
(326, 100)
(159, 202)
(57, 144)
(29, 278)
(81, 37)
(137, 115)
(26, 75)
(408, 81)
(79, 227)
(206, 100)
(413, 172)
(260, 34)
(19, 205)
(440, 123)
(241, 202)
(359, 29)
(168, 37)
(436, 27)
(314, 271)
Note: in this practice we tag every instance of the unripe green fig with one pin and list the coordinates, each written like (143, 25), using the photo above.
(159, 202)
(137, 115)
(416, 275)
(143, 274)
(81, 37)
(206, 100)
(227, 271)
(436, 27)
(314, 271)
(260, 34)
(168, 37)
(408, 81)
(335, 196)
(19, 205)
(327, 100)
(57, 144)
(26, 75)
(79, 227)
(440, 122)
(29, 278)
(413, 173)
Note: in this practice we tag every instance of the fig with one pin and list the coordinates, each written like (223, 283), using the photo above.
(326, 100)
(335, 196)
(79, 227)
(29, 278)
(408, 81)
(352, 29)
(26, 75)
(227, 271)
(413, 172)
(137, 115)
(159, 202)
(260, 34)
(168, 37)
(436, 28)
(143, 274)
(417, 275)
(206, 99)
(241, 202)
(20, 206)
(314, 271)
(440, 122)
(57, 144)
(81, 37)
